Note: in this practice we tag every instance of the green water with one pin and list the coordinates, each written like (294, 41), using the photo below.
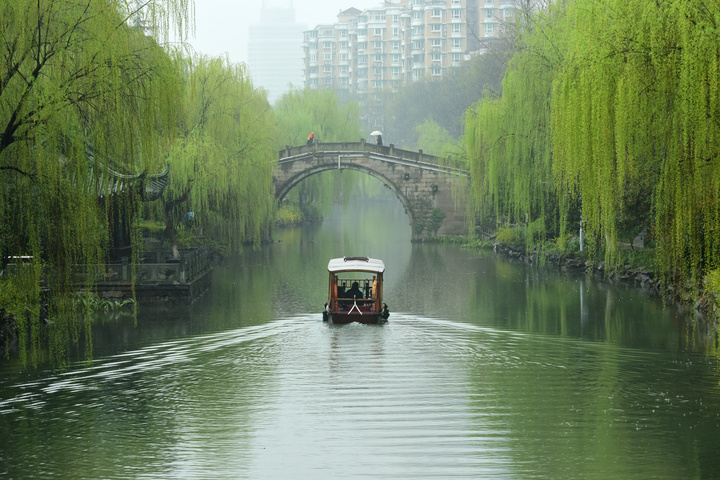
(486, 369)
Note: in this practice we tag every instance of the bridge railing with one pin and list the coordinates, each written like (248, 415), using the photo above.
(362, 146)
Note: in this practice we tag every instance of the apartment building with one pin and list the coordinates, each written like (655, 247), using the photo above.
(372, 52)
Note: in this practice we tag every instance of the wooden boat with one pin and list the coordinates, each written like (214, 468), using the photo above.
(355, 291)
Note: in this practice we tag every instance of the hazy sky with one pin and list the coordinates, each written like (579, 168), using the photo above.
(222, 25)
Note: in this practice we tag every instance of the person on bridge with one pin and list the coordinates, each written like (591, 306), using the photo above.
(379, 140)
(311, 138)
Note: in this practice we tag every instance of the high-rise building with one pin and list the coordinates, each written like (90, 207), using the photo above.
(275, 49)
(377, 50)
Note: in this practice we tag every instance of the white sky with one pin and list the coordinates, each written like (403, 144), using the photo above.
(222, 25)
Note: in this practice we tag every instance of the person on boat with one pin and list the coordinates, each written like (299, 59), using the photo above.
(354, 291)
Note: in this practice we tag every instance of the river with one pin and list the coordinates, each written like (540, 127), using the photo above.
(486, 369)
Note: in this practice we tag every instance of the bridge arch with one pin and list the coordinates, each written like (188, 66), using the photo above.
(284, 189)
(424, 187)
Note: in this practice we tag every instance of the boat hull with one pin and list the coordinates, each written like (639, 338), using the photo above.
(366, 318)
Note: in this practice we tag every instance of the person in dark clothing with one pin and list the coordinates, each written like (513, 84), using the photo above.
(354, 291)
(379, 140)
(311, 138)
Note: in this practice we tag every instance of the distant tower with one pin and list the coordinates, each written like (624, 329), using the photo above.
(275, 49)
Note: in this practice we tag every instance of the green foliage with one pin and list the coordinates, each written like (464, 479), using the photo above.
(432, 138)
(435, 220)
(513, 236)
(93, 303)
(288, 215)
(712, 292)
(221, 169)
(610, 109)
(75, 75)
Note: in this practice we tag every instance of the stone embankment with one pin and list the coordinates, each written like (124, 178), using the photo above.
(638, 276)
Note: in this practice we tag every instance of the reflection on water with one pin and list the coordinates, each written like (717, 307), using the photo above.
(486, 369)
(420, 397)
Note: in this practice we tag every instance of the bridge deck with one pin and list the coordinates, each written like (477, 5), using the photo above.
(387, 153)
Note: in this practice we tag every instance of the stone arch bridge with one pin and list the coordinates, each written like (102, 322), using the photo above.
(433, 195)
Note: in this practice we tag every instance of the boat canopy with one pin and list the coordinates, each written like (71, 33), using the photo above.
(356, 264)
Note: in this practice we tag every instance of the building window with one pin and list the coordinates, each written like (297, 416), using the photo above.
(457, 43)
(395, 32)
(327, 44)
(377, 83)
(436, 42)
(396, 72)
(326, 68)
(378, 32)
(489, 28)
(436, 71)
(490, 2)
(343, 45)
(489, 14)
(343, 57)
(417, 15)
(456, 29)
(508, 13)
(435, 28)
(396, 59)
(313, 57)
(396, 46)
(377, 58)
(377, 71)
(436, 57)
(395, 19)
(377, 45)
(456, 57)
(436, 12)
(343, 33)
(456, 14)
(327, 57)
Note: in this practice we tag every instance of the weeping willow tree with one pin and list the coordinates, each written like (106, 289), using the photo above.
(301, 111)
(72, 75)
(637, 113)
(508, 137)
(221, 168)
(616, 105)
